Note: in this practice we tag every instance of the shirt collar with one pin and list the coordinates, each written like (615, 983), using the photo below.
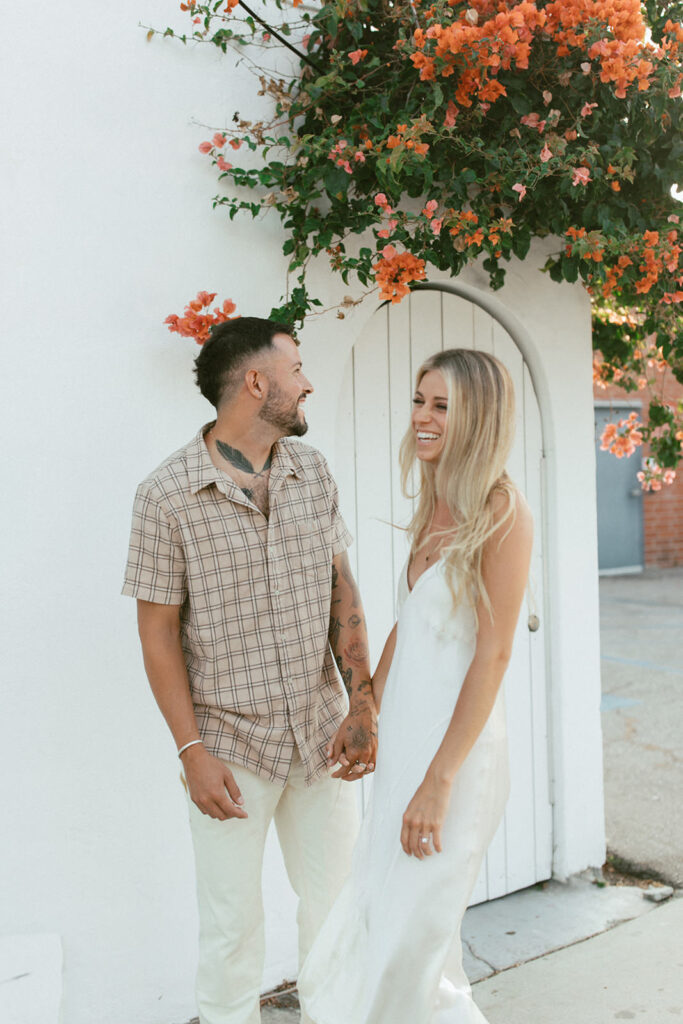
(202, 473)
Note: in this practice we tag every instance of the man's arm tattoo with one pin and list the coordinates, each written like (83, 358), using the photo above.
(356, 651)
(334, 631)
(346, 674)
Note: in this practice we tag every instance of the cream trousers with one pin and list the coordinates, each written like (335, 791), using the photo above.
(316, 827)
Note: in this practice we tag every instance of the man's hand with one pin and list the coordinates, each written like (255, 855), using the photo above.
(212, 785)
(355, 745)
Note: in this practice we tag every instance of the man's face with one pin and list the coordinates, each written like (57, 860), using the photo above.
(287, 388)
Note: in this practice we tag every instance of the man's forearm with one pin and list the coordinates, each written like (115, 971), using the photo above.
(167, 674)
(348, 635)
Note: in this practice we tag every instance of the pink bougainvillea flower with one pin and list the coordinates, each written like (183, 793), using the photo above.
(223, 165)
(388, 252)
(430, 208)
(586, 67)
(570, 134)
(451, 114)
(436, 225)
(587, 109)
(380, 199)
(533, 121)
(357, 55)
(521, 189)
(205, 147)
(545, 154)
(547, 97)
(673, 218)
(235, 143)
(219, 140)
(359, 157)
(384, 233)
(306, 40)
(581, 176)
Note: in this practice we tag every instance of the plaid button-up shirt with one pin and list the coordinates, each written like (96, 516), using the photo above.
(254, 596)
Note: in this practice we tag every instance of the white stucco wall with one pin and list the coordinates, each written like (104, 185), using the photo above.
(106, 203)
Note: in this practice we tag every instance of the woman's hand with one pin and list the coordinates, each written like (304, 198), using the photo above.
(424, 817)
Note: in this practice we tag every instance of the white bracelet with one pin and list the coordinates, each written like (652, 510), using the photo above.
(190, 744)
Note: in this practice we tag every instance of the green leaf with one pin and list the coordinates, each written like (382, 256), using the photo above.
(570, 268)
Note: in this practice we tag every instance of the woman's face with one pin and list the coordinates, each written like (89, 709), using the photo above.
(430, 406)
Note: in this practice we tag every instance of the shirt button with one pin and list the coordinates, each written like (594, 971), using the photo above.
(283, 638)
(272, 551)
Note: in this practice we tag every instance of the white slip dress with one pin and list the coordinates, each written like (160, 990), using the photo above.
(390, 952)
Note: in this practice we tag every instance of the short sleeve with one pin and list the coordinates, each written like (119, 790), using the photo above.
(341, 538)
(156, 561)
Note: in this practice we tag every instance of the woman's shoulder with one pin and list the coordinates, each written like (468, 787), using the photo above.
(511, 512)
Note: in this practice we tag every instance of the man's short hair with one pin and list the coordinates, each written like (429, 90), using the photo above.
(222, 357)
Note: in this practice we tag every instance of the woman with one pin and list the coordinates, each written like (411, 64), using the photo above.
(389, 952)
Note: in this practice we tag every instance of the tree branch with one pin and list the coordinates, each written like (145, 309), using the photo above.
(281, 39)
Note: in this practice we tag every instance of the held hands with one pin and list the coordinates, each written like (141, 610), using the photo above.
(212, 785)
(424, 818)
(355, 745)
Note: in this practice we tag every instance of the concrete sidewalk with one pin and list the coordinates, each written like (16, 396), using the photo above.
(632, 972)
(641, 633)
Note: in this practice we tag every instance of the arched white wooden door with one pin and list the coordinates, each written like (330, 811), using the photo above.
(374, 413)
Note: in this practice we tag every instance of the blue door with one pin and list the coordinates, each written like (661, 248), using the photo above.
(620, 498)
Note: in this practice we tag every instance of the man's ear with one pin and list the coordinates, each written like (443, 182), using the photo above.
(255, 383)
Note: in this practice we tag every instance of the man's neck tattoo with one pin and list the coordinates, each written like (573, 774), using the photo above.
(240, 461)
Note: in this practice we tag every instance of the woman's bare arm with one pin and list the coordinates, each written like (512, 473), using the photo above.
(382, 671)
(505, 569)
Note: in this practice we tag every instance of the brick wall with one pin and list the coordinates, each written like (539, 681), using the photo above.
(662, 510)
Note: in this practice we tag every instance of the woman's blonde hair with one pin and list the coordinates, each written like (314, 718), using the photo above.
(471, 469)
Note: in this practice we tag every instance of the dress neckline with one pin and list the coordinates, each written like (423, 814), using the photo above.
(423, 573)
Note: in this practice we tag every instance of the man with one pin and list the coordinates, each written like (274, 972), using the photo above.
(245, 603)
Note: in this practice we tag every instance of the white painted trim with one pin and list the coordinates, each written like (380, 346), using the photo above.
(622, 570)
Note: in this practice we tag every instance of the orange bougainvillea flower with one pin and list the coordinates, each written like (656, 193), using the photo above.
(357, 55)
(622, 438)
(394, 272)
(194, 323)
(451, 114)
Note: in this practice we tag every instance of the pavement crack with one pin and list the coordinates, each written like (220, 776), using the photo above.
(476, 956)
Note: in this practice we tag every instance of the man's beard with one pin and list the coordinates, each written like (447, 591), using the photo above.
(281, 413)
